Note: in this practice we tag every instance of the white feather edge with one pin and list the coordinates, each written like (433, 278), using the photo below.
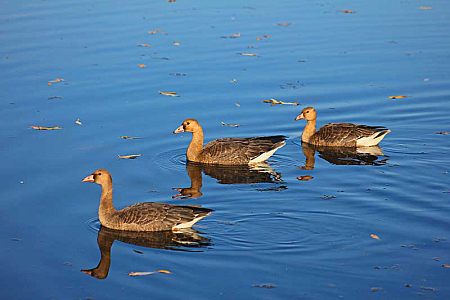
(265, 155)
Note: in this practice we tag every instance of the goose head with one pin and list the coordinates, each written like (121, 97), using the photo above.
(188, 125)
(308, 113)
(101, 176)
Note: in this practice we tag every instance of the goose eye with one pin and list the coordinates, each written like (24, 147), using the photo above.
(187, 123)
(307, 111)
(99, 174)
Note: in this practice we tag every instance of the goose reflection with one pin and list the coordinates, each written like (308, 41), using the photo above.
(260, 173)
(183, 240)
(343, 155)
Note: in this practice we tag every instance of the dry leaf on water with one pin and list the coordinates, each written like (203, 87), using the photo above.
(248, 54)
(144, 45)
(78, 122)
(374, 236)
(376, 289)
(129, 137)
(133, 156)
(426, 7)
(398, 97)
(155, 31)
(147, 273)
(231, 125)
(142, 65)
(347, 11)
(305, 178)
(50, 82)
(236, 35)
(265, 285)
(284, 24)
(176, 43)
(173, 94)
(273, 102)
(443, 132)
(237, 104)
(44, 128)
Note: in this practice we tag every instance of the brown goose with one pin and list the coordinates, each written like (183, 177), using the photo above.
(339, 134)
(147, 216)
(229, 151)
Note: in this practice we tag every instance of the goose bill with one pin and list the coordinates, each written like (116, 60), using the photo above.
(179, 129)
(299, 117)
(89, 178)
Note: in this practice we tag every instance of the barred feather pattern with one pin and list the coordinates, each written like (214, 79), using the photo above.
(235, 151)
(345, 134)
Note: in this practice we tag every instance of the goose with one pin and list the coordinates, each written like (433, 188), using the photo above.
(339, 134)
(229, 151)
(146, 216)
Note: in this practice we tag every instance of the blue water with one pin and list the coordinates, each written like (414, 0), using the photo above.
(305, 239)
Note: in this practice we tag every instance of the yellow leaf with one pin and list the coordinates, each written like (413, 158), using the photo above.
(284, 24)
(273, 102)
(398, 97)
(176, 43)
(44, 128)
(173, 94)
(258, 38)
(130, 137)
(446, 266)
(155, 31)
(305, 178)
(144, 45)
(374, 236)
(78, 122)
(237, 104)
(142, 65)
(426, 7)
(248, 54)
(49, 83)
(133, 156)
(163, 271)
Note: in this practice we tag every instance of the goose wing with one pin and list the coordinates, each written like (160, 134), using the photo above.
(345, 134)
(241, 150)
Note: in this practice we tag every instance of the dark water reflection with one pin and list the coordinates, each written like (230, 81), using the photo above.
(261, 173)
(343, 156)
(188, 240)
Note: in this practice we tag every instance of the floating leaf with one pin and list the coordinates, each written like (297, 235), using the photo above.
(265, 285)
(305, 178)
(237, 104)
(44, 128)
(347, 11)
(425, 7)
(443, 132)
(50, 82)
(78, 122)
(408, 285)
(328, 197)
(273, 102)
(144, 45)
(398, 97)
(248, 54)
(163, 271)
(374, 236)
(258, 38)
(266, 36)
(446, 265)
(426, 79)
(236, 35)
(376, 289)
(176, 43)
(284, 24)
(133, 156)
(231, 125)
(142, 65)
(155, 31)
(129, 137)
(173, 94)
(233, 81)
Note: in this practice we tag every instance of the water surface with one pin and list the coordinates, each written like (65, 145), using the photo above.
(307, 239)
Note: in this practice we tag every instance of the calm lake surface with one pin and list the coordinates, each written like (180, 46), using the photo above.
(364, 226)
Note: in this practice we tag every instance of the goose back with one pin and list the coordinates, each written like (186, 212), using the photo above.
(237, 151)
(346, 134)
